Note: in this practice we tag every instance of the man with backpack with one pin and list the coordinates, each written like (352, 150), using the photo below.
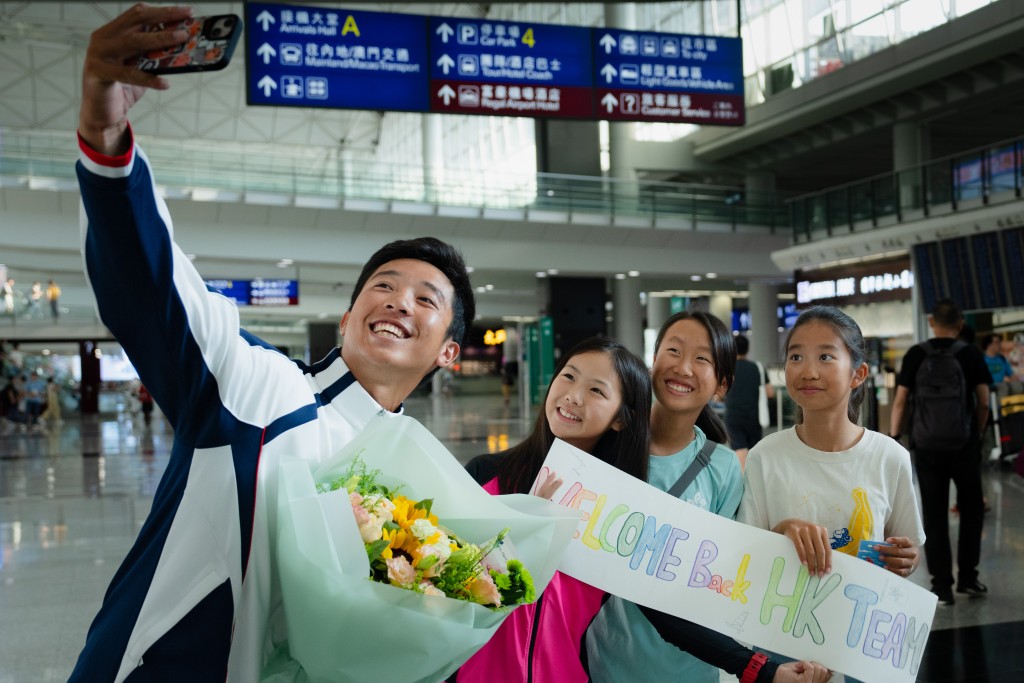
(943, 389)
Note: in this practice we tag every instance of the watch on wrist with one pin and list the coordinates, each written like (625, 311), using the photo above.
(753, 667)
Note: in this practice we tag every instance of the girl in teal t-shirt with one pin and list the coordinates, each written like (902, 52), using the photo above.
(694, 359)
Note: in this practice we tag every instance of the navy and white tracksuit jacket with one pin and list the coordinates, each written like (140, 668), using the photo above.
(197, 597)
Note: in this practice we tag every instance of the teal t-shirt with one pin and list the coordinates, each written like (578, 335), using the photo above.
(621, 643)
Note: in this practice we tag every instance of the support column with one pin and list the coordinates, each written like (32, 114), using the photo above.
(576, 308)
(659, 309)
(620, 135)
(760, 195)
(909, 148)
(720, 306)
(764, 323)
(433, 156)
(627, 326)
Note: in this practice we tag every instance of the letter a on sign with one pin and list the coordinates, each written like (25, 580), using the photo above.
(350, 26)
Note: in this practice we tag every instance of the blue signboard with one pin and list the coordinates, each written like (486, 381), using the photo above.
(258, 292)
(648, 76)
(337, 58)
(320, 57)
(478, 66)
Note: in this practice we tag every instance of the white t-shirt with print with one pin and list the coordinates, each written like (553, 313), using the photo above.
(864, 493)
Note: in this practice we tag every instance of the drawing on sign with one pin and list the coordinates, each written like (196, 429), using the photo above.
(316, 87)
(468, 65)
(469, 96)
(669, 48)
(630, 103)
(291, 86)
(291, 53)
(607, 42)
(629, 74)
(627, 45)
(649, 46)
(467, 34)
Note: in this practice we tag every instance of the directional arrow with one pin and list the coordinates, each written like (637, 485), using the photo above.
(445, 31)
(446, 93)
(609, 72)
(266, 52)
(265, 18)
(607, 42)
(445, 63)
(610, 102)
(267, 84)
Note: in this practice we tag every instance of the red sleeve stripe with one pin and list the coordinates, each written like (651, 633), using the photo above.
(119, 166)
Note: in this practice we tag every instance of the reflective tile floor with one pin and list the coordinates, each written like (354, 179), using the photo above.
(72, 500)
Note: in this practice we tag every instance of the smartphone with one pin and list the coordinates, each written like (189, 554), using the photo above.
(211, 42)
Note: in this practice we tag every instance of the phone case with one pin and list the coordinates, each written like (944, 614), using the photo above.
(209, 47)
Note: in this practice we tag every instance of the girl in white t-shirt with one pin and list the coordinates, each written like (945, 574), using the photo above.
(827, 483)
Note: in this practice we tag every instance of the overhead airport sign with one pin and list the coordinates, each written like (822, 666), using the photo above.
(337, 58)
(668, 77)
(257, 292)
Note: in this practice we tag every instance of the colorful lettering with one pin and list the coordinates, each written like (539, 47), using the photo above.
(740, 586)
(700, 575)
(667, 558)
(814, 595)
(913, 643)
(616, 512)
(892, 648)
(650, 540)
(773, 598)
(625, 545)
(589, 539)
(570, 495)
(863, 597)
(577, 500)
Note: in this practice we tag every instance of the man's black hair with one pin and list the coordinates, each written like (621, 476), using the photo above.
(947, 314)
(442, 256)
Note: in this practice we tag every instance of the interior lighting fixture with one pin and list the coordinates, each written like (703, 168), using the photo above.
(620, 276)
(488, 287)
(696, 278)
(711, 276)
(541, 273)
(634, 273)
(552, 271)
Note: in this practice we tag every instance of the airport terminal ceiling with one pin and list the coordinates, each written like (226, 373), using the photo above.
(41, 44)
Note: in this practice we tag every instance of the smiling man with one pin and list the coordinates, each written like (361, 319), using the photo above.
(197, 597)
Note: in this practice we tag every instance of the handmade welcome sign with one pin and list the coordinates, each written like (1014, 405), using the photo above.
(647, 547)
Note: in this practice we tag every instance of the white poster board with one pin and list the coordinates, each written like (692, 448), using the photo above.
(650, 548)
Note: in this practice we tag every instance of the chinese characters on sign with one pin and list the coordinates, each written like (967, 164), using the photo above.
(318, 57)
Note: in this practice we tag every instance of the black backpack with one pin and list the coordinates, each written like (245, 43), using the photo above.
(942, 417)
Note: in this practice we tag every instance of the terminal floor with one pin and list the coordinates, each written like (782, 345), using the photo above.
(73, 499)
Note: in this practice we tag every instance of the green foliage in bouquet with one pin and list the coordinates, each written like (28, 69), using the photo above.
(409, 549)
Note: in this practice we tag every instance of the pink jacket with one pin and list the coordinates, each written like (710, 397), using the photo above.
(536, 642)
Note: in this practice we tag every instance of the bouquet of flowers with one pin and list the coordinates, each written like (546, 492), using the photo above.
(407, 548)
(339, 623)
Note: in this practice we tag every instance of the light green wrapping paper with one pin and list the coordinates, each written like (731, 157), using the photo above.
(344, 627)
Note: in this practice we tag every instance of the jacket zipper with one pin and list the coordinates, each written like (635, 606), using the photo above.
(533, 639)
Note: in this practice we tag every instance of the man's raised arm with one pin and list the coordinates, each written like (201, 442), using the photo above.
(111, 84)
